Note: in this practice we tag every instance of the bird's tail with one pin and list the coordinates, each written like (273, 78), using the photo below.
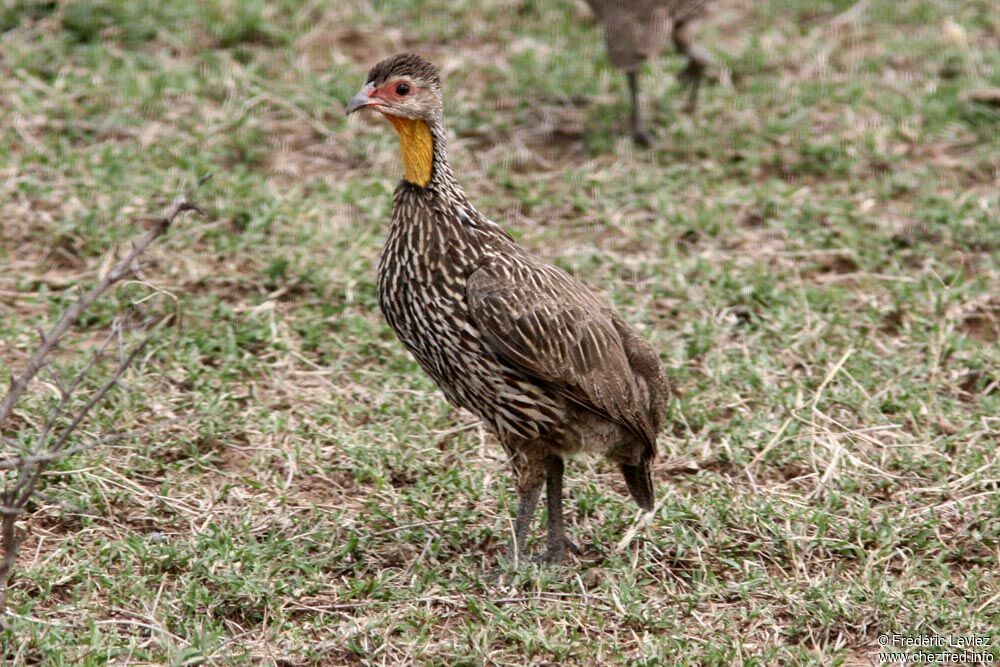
(640, 483)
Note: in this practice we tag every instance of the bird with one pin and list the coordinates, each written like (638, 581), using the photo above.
(547, 365)
(636, 30)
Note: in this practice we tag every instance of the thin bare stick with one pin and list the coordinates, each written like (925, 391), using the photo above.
(49, 456)
(30, 467)
(66, 390)
(29, 474)
(122, 269)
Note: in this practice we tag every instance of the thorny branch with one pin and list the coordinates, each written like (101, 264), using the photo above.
(19, 491)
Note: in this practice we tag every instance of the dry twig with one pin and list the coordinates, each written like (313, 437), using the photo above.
(19, 491)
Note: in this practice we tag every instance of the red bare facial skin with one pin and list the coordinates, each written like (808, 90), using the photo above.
(388, 92)
(372, 97)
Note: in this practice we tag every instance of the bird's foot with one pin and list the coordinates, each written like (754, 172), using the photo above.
(691, 77)
(641, 138)
(692, 74)
(556, 553)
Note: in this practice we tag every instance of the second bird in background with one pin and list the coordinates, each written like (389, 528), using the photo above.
(636, 30)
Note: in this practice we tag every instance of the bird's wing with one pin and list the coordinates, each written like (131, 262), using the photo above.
(549, 326)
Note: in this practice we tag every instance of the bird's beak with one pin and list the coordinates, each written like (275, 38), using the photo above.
(363, 99)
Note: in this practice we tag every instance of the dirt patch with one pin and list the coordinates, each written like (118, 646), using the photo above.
(981, 320)
(983, 326)
(322, 489)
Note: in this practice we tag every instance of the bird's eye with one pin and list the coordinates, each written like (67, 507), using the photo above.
(402, 88)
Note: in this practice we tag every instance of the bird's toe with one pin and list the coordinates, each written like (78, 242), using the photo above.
(556, 553)
(573, 548)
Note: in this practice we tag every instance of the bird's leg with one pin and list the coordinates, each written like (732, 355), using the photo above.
(639, 136)
(698, 62)
(527, 502)
(558, 542)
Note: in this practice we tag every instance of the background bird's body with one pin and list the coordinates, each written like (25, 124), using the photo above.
(550, 368)
(637, 30)
(633, 31)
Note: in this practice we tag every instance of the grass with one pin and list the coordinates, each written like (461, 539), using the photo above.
(815, 253)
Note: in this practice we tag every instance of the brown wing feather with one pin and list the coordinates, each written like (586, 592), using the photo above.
(551, 327)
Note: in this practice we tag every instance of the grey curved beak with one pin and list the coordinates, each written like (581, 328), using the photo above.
(362, 99)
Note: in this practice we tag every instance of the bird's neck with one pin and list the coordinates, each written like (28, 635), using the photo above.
(417, 144)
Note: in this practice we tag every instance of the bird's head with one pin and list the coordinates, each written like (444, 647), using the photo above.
(402, 86)
(406, 89)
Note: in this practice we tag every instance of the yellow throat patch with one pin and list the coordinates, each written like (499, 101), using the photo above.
(418, 149)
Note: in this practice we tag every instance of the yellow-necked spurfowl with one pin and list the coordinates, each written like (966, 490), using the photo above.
(547, 365)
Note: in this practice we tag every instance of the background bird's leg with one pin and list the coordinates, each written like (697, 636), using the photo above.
(698, 62)
(527, 502)
(558, 542)
(638, 135)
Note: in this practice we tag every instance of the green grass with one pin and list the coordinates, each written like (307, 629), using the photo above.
(815, 253)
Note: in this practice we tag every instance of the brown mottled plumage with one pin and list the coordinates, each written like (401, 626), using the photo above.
(636, 30)
(550, 368)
